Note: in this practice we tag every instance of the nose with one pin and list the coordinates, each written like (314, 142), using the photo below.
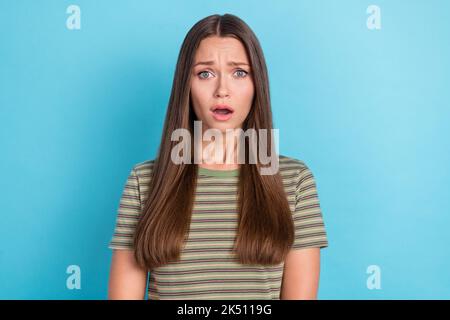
(222, 88)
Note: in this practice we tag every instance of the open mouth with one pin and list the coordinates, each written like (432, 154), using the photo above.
(222, 110)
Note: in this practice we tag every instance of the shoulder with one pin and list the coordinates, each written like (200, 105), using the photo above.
(291, 165)
(144, 168)
(295, 171)
(305, 182)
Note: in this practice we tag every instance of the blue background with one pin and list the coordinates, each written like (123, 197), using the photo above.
(367, 110)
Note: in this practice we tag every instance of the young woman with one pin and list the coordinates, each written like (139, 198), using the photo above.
(213, 230)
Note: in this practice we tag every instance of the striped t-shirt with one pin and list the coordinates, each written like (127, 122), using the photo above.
(206, 269)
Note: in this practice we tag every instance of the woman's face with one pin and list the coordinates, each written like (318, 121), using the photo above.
(221, 76)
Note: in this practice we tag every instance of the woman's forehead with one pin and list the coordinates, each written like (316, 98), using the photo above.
(215, 49)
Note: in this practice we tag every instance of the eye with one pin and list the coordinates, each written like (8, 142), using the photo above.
(202, 72)
(242, 72)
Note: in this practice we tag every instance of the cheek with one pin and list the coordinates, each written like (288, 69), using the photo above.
(194, 91)
(246, 92)
(200, 92)
(196, 96)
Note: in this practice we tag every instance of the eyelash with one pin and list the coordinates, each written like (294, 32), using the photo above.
(199, 73)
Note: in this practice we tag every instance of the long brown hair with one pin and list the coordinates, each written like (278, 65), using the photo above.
(265, 226)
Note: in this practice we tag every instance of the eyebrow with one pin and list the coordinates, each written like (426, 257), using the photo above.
(231, 63)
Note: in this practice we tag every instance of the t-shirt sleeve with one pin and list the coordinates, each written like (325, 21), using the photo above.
(308, 221)
(127, 214)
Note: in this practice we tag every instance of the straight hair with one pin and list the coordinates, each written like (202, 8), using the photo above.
(265, 229)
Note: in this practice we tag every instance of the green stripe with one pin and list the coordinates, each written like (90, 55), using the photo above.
(218, 173)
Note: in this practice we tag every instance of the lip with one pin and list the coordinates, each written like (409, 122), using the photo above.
(222, 117)
(222, 106)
